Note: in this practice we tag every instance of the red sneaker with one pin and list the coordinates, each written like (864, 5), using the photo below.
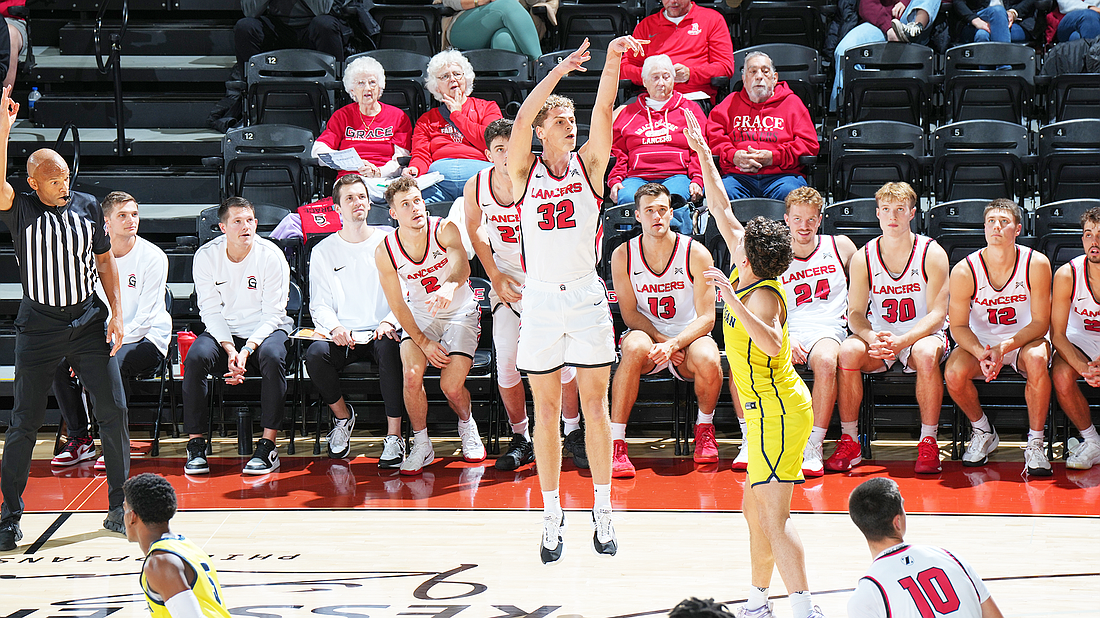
(928, 456)
(706, 447)
(75, 451)
(846, 456)
(621, 468)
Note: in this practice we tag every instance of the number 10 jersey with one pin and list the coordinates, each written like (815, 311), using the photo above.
(559, 219)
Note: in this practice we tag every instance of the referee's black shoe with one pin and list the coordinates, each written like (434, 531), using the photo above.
(574, 443)
(520, 453)
(265, 459)
(10, 534)
(114, 521)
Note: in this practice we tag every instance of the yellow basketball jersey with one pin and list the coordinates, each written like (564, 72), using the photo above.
(205, 585)
(766, 385)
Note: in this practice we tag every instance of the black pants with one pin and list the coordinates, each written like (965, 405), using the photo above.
(44, 336)
(255, 35)
(208, 357)
(325, 360)
(133, 359)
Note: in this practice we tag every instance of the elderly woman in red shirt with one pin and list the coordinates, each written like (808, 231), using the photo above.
(379, 132)
(450, 139)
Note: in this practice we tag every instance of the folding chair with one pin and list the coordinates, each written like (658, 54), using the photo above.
(989, 81)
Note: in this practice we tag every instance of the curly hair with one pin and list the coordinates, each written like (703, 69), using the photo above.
(699, 608)
(399, 185)
(1091, 215)
(805, 195)
(362, 68)
(768, 247)
(443, 60)
(150, 496)
(552, 101)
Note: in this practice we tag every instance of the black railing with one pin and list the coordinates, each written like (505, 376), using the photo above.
(113, 65)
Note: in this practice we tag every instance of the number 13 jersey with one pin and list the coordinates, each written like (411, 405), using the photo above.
(667, 298)
(897, 303)
(559, 219)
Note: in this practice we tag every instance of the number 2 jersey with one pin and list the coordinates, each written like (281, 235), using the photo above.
(918, 581)
(559, 218)
(817, 294)
(426, 275)
(667, 298)
(896, 303)
(1083, 327)
(997, 314)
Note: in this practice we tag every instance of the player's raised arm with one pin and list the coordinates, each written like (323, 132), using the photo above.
(8, 110)
(597, 150)
(718, 203)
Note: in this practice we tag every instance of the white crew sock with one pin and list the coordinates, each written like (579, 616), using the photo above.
(618, 431)
(817, 435)
(929, 430)
(982, 424)
(551, 503)
(758, 597)
(704, 419)
(602, 495)
(1090, 434)
(572, 424)
(801, 606)
(850, 429)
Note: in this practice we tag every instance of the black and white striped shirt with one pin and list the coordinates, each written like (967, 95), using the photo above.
(56, 247)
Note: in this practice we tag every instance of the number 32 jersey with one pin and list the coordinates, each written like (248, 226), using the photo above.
(918, 581)
(559, 218)
(897, 303)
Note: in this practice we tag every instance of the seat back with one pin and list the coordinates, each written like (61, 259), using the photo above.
(1073, 96)
(269, 164)
(411, 27)
(981, 159)
(292, 86)
(502, 76)
(989, 81)
(958, 245)
(405, 73)
(888, 81)
(855, 219)
(619, 225)
(747, 208)
(798, 23)
(268, 216)
(1063, 216)
(866, 155)
(1069, 160)
(956, 216)
(1061, 247)
(797, 65)
(599, 23)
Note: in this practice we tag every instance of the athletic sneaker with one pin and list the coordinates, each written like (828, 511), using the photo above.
(1035, 459)
(553, 545)
(812, 466)
(741, 462)
(706, 447)
(520, 453)
(1083, 455)
(421, 454)
(906, 33)
(764, 611)
(100, 464)
(339, 438)
(196, 457)
(846, 456)
(816, 613)
(265, 459)
(114, 521)
(928, 456)
(982, 443)
(621, 468)
(75, 451)
(10, 535)
(393, 453)
(473, 450)
(574, 443)
(603, 535)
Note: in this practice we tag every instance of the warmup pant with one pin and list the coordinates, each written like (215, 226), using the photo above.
(254, 35)
(44, 336)
(133, 359)
(325, 360)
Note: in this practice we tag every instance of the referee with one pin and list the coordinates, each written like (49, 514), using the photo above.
(61, 246)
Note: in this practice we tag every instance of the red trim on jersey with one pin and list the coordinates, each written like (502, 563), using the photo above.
(881, 591)
(389, 252)
(629, 253)
(587, 180)
(1073, 290)
(427, 245)
(924, 261)
(510, 204)
(1027, 273)
(551, 174)
(687, 260)
(1088, 284)
(974, 274)
(1015, 268)
(435, 237)
(807, 258)
(641, 252)
(892, 552)
(964, 572)
(912, 252)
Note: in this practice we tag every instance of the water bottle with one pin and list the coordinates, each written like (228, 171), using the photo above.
(32, 98)
(244, 431)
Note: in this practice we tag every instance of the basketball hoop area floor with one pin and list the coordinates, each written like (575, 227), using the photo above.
(343, 538)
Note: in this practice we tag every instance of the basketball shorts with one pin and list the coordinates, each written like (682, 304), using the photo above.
(1012, 359)
(903, 356)
(565, 324)
(458, 333)
(775, 446)
(809, 334)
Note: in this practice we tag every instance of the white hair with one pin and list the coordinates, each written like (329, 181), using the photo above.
(442, 60)
(654, 63)
(754, 54)
(362, 68)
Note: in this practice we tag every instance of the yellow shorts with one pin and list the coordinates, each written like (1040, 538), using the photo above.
(775, 446)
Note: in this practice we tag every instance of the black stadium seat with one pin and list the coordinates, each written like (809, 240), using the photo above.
(405, 73)
(866, 155)
(888, 81)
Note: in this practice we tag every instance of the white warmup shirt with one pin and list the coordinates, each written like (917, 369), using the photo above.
(245, 299)
(142, 277)
(344, 289)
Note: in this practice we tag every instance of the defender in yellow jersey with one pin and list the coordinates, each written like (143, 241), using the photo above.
(776, 401)
(177, 577)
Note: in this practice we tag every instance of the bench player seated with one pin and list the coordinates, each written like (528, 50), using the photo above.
(816, 284)
(1000, 315)
(1075, 332)
(441, 320)
(669, 316)
(897, 303)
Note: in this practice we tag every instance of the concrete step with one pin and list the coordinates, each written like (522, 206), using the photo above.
(199, 38)
(151, 111)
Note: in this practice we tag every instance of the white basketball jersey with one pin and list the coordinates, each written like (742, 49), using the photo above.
(501, 221)
(559, 218)
(997, 314)
(897, 303)
(918, 581)
(1083, 327)
(817, 289)
(666, 298)
(424, 276)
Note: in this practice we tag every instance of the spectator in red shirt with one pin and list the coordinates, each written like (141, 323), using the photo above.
(696, 38)
(759, 132)
(379, 132)
(450, 139)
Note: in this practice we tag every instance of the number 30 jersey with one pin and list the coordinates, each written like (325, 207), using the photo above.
(425, 276)
(559, 218)
(667, 298)
(897, 303)
(918, 581)
(817, 291)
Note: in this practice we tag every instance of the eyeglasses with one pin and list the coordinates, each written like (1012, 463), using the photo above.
(446, 77)
(365, 83)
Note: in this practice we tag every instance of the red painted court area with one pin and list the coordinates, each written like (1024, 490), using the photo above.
(661, 484)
